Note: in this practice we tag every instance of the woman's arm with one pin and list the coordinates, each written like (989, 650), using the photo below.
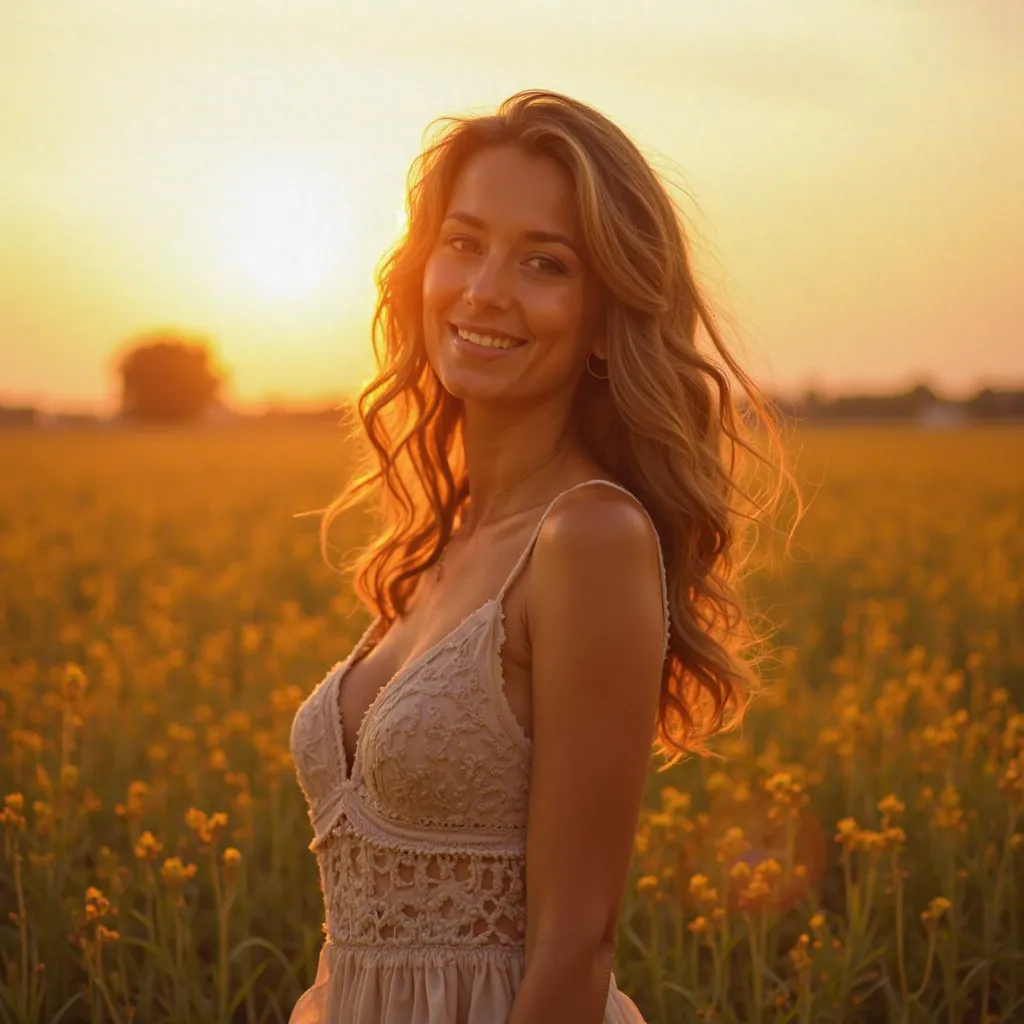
(597, 636)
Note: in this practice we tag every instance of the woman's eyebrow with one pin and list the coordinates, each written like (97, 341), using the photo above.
(533, 236)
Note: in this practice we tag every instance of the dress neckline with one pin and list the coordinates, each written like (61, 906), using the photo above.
(395, 680)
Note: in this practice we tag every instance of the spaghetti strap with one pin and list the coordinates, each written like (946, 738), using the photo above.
(524, 557)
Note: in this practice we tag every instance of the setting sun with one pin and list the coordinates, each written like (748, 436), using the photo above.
(287, 232)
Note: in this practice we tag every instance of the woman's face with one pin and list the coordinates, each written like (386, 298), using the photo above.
(508, 262)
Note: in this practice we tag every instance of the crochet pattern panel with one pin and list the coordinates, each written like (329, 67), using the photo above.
(385, 893)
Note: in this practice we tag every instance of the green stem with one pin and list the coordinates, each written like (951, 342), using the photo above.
(805, 995)
(655, 963)
(900, 953)
(755, 959)
(102, 986)
(717, 979)
(179, 958)
(928, 959)
(22, 925)
(954, 953)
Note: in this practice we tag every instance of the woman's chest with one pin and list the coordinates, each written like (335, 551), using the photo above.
(442, 744)
(421, 657)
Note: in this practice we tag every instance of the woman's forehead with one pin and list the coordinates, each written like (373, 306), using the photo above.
(504, 188)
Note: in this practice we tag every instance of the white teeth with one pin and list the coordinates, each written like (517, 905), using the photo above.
(485, 341)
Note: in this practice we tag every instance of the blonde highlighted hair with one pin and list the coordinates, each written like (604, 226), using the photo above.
(665, 423)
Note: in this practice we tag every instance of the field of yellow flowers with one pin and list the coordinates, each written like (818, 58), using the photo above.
(857, 854)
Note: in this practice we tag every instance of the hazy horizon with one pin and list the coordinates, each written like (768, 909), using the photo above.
(853, 177)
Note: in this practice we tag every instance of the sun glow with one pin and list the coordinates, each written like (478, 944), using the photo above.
(288, 233)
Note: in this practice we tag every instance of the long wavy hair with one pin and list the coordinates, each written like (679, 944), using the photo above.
(665, 423)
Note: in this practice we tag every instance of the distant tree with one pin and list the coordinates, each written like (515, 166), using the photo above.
(166, 377)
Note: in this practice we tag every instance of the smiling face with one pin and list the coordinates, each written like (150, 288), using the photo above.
(508, 261)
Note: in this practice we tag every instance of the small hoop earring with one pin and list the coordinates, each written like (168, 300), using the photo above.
(590, 370)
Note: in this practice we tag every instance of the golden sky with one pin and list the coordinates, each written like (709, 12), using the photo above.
(235, 168)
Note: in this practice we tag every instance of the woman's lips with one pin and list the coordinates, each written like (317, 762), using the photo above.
(480, 351)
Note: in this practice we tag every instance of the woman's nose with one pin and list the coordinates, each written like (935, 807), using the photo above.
(487, 283)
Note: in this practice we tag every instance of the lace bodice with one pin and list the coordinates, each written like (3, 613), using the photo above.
(433, 818)
(423, 847)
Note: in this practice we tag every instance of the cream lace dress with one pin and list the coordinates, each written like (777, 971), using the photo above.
(422, 850)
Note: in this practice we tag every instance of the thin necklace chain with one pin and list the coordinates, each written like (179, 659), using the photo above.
(499, 519)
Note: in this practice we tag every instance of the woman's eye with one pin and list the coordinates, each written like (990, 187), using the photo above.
(552, 265)
(452, 239)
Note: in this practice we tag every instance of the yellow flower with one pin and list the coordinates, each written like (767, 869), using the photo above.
(868, 841)
(27, 740)
(718, 781)
(672, 800)
(43, 780)
(846, 830)
(195, 819)
(891, 805)
(699, 925)
(740, 871)
(732, 845)
(817, 922)
(231, 857)
(799, 956)
(148, 847)
(741, 793)
(701, 890)
(238, 721)
(181, 733)
(135, 804)
(96, 904)
(156, 752)
(936, 908)
(175, 873)
(647, 884)
(894, 838)
(829, 737)
(1012, 781)
(205, 827)
(72, 682)
(10, 816)
(755, 893)
(769, 868)
(949, 813)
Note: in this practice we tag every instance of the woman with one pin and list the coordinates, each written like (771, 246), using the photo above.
(552, 584)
